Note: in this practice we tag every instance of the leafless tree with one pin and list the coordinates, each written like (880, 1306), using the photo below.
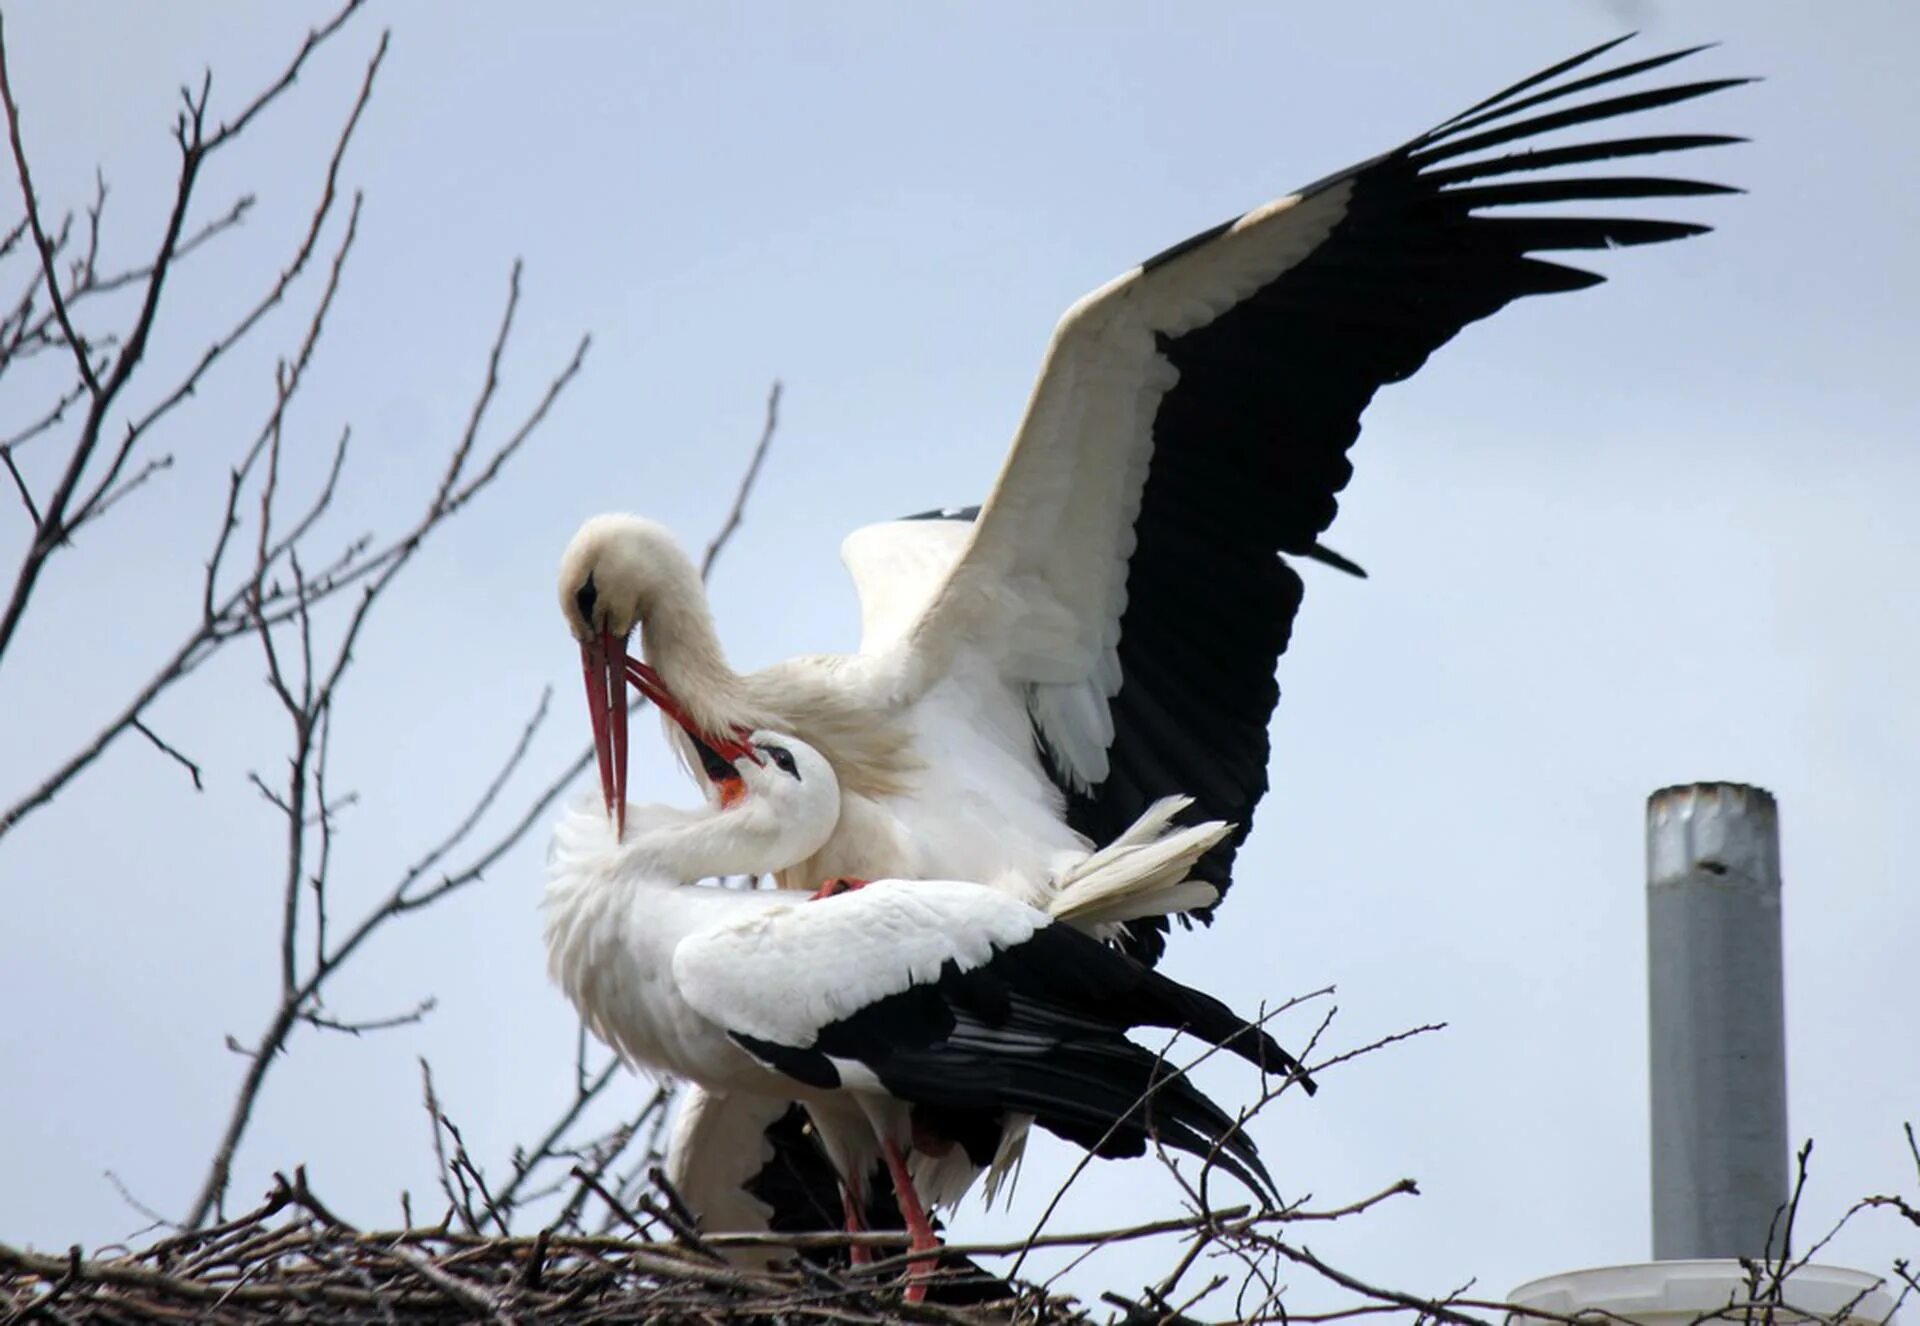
(93, 440)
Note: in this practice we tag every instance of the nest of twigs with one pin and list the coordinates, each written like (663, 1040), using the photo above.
(293, 1260)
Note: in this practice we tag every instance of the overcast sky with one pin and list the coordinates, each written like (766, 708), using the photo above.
(1655, 532)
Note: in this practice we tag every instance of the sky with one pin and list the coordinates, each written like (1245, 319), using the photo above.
(1651, 533)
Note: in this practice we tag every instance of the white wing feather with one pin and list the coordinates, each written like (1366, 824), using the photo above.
(1041, 586)
(848, 952)
(1143, 872)
(896, 567)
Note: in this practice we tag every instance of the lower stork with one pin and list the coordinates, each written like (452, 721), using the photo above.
(915, 1021)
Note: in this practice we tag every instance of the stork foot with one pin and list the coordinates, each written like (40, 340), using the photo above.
(838, 885)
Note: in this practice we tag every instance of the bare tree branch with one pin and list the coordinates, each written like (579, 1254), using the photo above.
(30, 201)
(739, 508)
(20, 484)
(63, 510)
(192, 769)
(296, 999)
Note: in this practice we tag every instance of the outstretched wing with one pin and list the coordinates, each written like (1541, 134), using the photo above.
(1192, 420)
(898, 565)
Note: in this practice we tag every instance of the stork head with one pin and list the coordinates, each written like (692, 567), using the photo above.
(622, 572)
(789, 794)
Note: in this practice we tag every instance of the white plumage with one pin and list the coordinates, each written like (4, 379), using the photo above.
(1032, 682)
(771, 995)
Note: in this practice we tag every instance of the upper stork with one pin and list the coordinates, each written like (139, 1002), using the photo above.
(1106, 632)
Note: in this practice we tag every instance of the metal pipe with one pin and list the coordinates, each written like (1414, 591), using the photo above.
(1716, 1020)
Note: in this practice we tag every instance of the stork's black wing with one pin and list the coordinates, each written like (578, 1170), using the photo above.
(1040, 1029)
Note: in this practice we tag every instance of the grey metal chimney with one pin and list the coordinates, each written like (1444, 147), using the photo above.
(1717, 1024)
(1719, 1086)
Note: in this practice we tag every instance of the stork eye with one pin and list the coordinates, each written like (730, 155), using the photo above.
(783, 757)
(585, 597)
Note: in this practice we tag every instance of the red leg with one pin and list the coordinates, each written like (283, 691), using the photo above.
(924, 1239)
(857, 1253)
(838, 885)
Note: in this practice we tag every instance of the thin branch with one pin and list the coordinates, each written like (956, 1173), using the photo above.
(44, 422)
(102, 285)
(739, 508)
(591, 1182)
(126, 1195)
(1428, 1307)
(463, 1164)
(20, 483)
(189, 384)
(296, 1001)
(211, 633)
(526, 1165)
(54, 527)
(105, 500)
(316, 37)
(413, 1015)
(30, 200)
(441, 1168)
(1159, 1082)
(192, 769)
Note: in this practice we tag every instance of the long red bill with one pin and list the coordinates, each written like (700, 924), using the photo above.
(648, 683)
(601, 661)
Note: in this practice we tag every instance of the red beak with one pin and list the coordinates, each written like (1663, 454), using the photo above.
(607, 666)
(648, 683)
(603, 661)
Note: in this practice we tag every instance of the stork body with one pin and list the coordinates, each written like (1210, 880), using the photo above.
(739, 1161)
(1106, 632)
(916, 1021)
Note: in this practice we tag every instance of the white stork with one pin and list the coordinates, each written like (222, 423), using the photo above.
(744, 1164)
(1108, 630)
(915, 1021)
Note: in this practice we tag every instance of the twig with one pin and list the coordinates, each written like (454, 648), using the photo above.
(55, 524)
(739, 508)
(441, 1168)
(192, 769)
(20, 483)
(1159, 1082)
(126, 1195)
(30, 200)
(591, 1182)
(413, 1015)
(585, 1093)
(1426, 1306)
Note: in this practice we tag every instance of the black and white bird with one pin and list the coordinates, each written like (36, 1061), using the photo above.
(744, 1164)
(1106, 632)
(917, 1021)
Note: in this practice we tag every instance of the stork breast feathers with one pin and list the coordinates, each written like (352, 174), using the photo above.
(784, 973)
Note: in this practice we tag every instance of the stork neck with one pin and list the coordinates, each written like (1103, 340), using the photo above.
(746, 840)
(677, 637)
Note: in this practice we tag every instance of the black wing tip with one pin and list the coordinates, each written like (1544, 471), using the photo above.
(1326, 556)
(1269, 1056)
(1190, 243)
(962, 513)
(1492, 122)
